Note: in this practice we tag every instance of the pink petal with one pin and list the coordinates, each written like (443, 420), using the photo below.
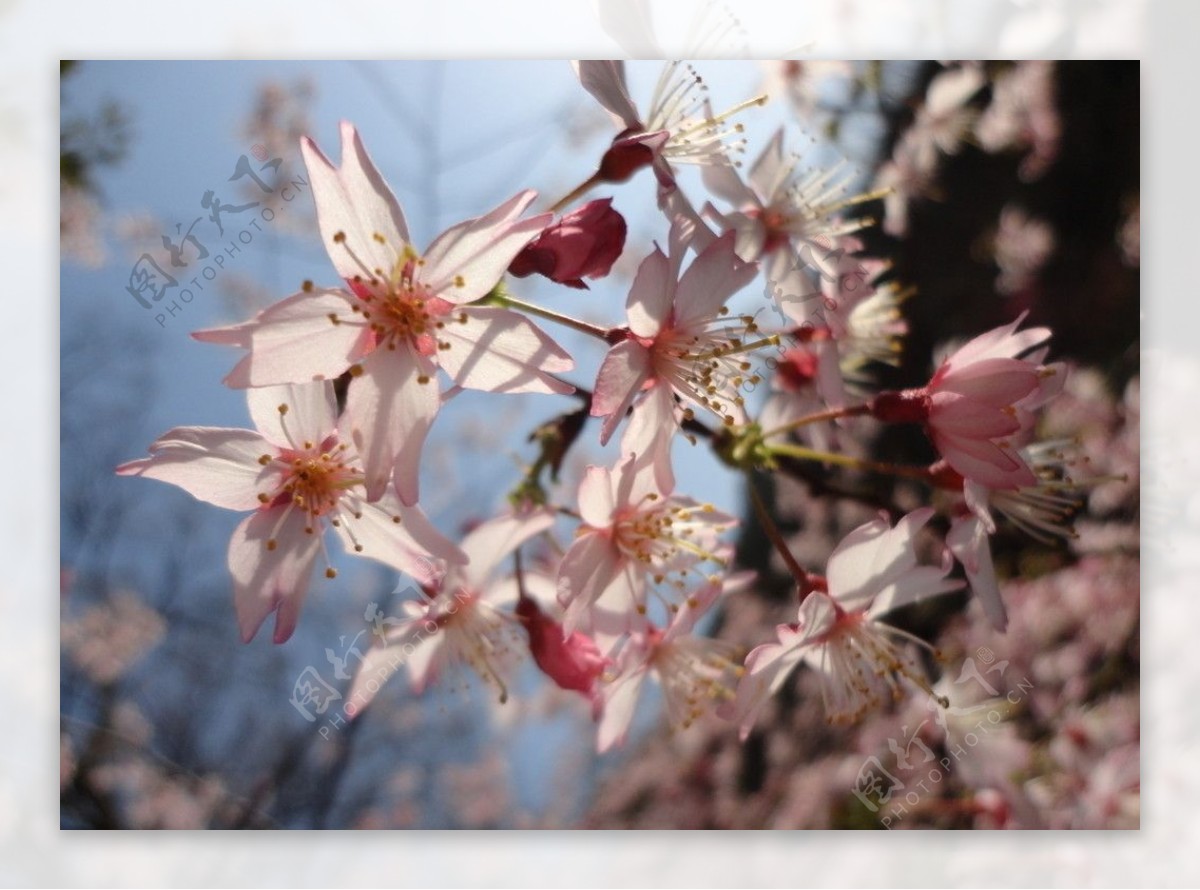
(590, 567)
(596, 504)
(994, 381)
(378, 666)
(976, 497)
(218, 466)
(605, 80)
(356, 202)
(712, 278)
(467, 260)
(266, 580)
(651, 432)
(771, 169)
(492, 542)
(693, 609)
(624, 370)
(620, 702)
(411, 545)
(983, 462)
(916, 584)
(230, 335)
(649, 304)
(499, 350)
(425, 662)
(1001, 342)
(692, 230)
(296, 341)
(390, 414)
(968, 541)
(311, 413)
(956, 415)
(852, 567)
(723, 181)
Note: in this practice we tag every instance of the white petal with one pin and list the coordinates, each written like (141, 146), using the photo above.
(311, 413)
(296, 341)
(605, 80)
(467, 260)
(411, 545)
(491, 542)
(499, 350)
(649, 303)
(266, 579)
(356, 202)
(390, 414)
(218, 466)
(625, 369)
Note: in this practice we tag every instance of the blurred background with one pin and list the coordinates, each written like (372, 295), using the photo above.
(1021, 193)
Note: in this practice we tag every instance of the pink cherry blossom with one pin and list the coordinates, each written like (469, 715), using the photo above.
(1043, 511)
(582, 243)
(463, 617)
(631, 531)
(403, 315)
(680, 127)
(779, 208)
(978, 408)
(680, 341)
(695, 672)
(299, 477)
(837, 632)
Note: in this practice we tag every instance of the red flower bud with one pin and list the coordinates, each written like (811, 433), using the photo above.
(584, 242)
(573, 663)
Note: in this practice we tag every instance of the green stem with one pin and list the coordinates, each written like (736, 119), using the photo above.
(830, 414)
(858, 463)
(578, 192)
(550, 315)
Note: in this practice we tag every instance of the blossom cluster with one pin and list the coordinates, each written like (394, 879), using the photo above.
(613, 583)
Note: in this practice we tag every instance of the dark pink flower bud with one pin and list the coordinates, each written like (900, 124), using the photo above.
(573, 663)
(584, 242)
(907, 406)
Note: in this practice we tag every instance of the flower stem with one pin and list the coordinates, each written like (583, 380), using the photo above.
(550, 315)
(845, 460)
(830, 414)
(578, 192)
(776, 537)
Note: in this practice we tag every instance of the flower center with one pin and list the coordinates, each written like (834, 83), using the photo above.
(399, 308)
(315, 481)
(705, 361)
(864, 666)
(667, 537)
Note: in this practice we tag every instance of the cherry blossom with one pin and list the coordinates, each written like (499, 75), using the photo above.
(779, 207)
(402, 315)
(695, 672)
(680, 340)
(873, 571)
(679, 128)
(978, 407)
(462, 617)
(299, 477)
(632, 531)
(1043, 511)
